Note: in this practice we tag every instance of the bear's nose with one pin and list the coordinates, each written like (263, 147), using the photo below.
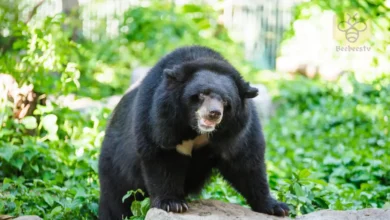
(215, 114)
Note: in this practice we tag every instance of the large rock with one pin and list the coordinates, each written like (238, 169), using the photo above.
(365, 214)
(28, 217)
(210, 210)
(216, 210)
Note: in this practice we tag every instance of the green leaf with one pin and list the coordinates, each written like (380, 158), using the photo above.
(145, 206)
(57, 210)
(48, 199)
(136, 208)
(319, 181)
(34, 167)
(7, 151)
(128, 194)
(94, 207)
(304, 173)
(30, 152)
(30, 122)
(80, 193)
(338, 205)
(80, 171)
(5, 132)
(94, 165)
(137, 218)
(298, 190)
(18, 163)
(77, 202)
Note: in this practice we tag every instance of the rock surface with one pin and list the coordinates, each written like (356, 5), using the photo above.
(28, 217)
(365, 214)
(216, 210)
(210, 210)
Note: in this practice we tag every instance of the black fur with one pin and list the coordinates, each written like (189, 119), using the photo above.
(139, 149)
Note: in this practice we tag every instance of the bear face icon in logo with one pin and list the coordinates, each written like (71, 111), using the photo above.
(352, 27)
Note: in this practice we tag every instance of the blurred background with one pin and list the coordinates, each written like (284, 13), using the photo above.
(322, 68)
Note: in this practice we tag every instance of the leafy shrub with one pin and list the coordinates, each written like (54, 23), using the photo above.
(53, 173)
(40, 55)
(329, 143)
(145, 31)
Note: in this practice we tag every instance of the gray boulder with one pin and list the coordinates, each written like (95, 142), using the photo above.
(217, 210)
(364, 214)
(210, 210)
(28, 217)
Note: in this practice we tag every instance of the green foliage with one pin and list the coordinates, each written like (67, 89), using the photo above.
(329, 143)
(147, 28)
(138, 208)
(145, 35)
(40, 55)
(52, 174)
(145, 31)
(219, 189)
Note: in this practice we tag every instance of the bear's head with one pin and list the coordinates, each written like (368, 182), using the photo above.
(212, 93)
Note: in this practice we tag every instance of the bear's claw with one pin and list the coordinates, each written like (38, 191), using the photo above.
(172, 205)
(273, 207)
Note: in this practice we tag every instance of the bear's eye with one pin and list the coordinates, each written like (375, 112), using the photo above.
(197, 97)
(201, 96)
(226, 104)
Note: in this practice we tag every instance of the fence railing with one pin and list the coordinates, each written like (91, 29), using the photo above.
(258, 24)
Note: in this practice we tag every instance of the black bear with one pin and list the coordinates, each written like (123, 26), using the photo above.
(191, 113)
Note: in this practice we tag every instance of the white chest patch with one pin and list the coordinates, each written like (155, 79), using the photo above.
(187, 146)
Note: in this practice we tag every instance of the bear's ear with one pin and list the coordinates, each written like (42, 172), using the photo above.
(169, 73)
(251, 92)
(173, 74)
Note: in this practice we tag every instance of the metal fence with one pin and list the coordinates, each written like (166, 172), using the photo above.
(258, 24)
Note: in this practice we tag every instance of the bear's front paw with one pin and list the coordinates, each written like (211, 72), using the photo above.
(172, 205)
(273, 207)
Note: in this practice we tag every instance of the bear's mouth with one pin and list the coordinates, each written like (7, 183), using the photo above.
(206, 126)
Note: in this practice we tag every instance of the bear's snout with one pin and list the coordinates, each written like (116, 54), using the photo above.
(214, 114)
(209, 115)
